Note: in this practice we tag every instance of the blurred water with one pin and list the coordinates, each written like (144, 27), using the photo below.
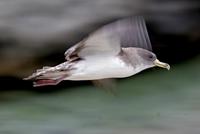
(154, 102)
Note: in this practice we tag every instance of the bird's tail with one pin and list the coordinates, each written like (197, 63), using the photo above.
(50, 75)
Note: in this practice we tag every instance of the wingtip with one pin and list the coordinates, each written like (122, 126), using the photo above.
(133, 32)
(143, 35)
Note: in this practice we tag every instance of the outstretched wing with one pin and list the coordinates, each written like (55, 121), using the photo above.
(101, 42)
(109, 39)
(133, 33)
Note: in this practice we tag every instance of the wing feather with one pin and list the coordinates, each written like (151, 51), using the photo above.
(109, 39)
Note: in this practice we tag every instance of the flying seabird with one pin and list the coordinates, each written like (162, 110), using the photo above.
(117, 50)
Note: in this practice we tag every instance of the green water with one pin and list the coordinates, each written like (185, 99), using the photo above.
(155, 102)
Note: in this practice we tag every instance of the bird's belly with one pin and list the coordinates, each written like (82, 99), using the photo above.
(92, 69)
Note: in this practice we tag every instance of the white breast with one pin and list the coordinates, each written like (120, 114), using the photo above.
(101, 68)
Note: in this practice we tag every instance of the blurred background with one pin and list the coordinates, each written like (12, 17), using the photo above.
(34, 33)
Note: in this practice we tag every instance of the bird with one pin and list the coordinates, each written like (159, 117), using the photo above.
(117, 50)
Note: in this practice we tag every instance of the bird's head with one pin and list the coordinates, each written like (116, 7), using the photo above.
(150, 59)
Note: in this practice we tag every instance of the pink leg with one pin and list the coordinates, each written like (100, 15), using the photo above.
(43, 82)
(46, 82)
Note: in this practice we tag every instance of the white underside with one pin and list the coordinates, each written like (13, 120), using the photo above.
(101, 68)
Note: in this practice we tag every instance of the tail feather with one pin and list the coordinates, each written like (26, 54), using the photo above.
(50, 75)
(44, 68)
(39, 73)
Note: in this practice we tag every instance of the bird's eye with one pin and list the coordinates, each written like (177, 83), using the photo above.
(150, 56)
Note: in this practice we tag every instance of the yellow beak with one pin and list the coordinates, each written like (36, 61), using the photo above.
(161, 64)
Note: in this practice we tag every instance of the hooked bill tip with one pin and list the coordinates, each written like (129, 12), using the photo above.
(161, 64)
